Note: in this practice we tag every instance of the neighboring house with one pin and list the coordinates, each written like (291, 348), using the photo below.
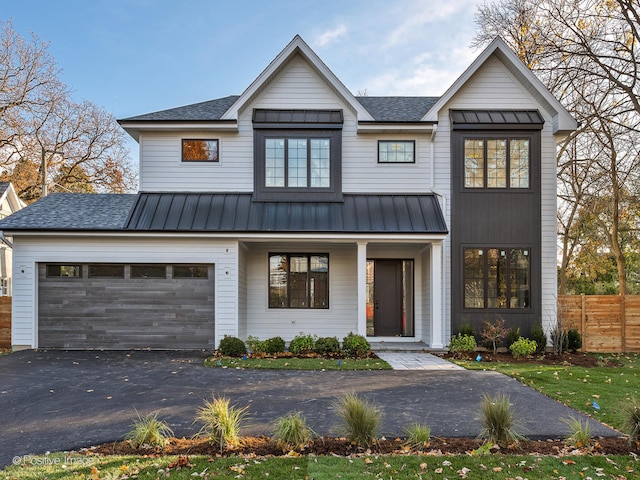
(298, 207)
(9, 204)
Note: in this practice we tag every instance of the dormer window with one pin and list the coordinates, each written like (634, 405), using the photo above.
(298, 155)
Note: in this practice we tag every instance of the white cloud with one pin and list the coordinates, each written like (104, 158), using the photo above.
(330, 36)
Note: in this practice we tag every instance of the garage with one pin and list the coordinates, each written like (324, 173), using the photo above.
(124, 306)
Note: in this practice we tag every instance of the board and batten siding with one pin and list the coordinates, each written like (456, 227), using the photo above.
(31, 250)
(297, 86)
(494, 87)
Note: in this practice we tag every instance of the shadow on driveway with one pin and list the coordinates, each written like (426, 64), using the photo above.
(63, 400)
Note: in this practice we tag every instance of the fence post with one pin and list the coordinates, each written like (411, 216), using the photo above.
(583, 318)
(623, 324)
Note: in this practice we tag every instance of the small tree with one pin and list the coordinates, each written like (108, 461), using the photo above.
(494, 333)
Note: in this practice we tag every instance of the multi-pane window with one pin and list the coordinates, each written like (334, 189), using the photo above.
(297, 162)
(298, 280)
(200, 150)
(396, 151)
(496, 162)
(497, 278)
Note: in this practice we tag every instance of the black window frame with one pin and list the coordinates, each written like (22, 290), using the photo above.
(139, 267)
(214, 160)
(114, 265)
(288, 275)
(485, 280)
(534, 145)
(413, 146)
(192, 268)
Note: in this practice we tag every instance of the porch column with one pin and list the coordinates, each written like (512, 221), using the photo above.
(437, 289)
(362, 288)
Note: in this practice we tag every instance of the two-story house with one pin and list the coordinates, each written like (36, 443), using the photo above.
(299, 207)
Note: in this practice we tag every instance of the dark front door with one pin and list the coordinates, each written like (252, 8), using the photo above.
(387, 314)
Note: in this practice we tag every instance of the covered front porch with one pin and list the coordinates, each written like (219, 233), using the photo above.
(386, 289)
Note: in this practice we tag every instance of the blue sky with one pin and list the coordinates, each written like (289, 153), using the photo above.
(136, 56)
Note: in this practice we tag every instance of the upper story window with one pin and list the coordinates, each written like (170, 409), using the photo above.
(496, 162)
(297, 162)
(392, 151)
(200, 150)
(297, 155)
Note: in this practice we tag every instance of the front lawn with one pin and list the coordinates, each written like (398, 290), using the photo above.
(295, 363)
(599, 391)
(59, 466)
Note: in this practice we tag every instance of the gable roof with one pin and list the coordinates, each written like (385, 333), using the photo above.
(562, 120)
(202, 111)
(297, 46)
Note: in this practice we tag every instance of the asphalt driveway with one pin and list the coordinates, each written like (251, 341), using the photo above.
(60, 400)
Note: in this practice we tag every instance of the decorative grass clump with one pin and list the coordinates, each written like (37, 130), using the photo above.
(291, 431)
(149, 430)
(359, 419)
(499, 421)
(418, 436)
(221, 421)
(631, 419)
(580, 433)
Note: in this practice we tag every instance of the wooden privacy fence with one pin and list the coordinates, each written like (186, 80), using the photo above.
(607, 323)
(5, 322)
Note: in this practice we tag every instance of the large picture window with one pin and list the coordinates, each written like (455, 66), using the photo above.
(297, 162)
(497, 278)
(298, 280)
(497, 162)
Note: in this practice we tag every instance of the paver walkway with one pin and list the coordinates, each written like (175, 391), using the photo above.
(417, 361)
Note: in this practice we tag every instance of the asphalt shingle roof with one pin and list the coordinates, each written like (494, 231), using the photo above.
(73, 211)
(382, 109)
(3, 187)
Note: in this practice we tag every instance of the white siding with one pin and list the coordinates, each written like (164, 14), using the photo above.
(297, 86)
(494, 87)
(29, 251)
(339, 319)
(242, 290)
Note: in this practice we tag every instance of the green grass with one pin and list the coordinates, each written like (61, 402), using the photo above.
(578, 387)
(329, 467)
(293, 363)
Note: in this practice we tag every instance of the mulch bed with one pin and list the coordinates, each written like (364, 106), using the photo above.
(566, 359)
(264, 446)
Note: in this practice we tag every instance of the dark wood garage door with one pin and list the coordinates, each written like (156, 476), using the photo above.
(122, 306)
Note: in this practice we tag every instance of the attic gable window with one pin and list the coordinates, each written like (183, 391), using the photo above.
(200, 150)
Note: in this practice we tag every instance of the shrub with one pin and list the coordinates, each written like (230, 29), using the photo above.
(467, 329)
(494, 333)
(461, 345)
(558, 337)
(274, 345)
(327, 346)
(498, 420)
(148, 430)
(221, 422)
(512, 337)
(631, 419)
(523, 347)
(580, 433)
(355, 345)
(232, 347)
(255, 344)
(418, 436)
(302, 344)
(360, 419)
(291, 431)
(574, 340)
(537, 335)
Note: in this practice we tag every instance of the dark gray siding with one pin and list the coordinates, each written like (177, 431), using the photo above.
(495, 218)
(125, 313)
